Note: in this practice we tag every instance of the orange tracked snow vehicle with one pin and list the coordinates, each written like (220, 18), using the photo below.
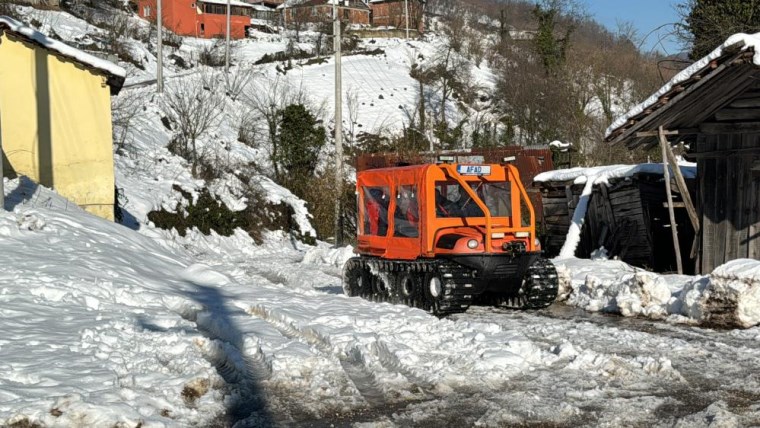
(443, 236)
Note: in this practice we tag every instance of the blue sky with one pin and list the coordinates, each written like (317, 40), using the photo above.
(646, 16)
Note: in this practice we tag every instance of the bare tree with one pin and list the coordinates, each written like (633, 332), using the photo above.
(125, 108)
(267, 99)
(195, 106)
(237, 80)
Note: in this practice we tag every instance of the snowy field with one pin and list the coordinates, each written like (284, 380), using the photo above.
(160, 330)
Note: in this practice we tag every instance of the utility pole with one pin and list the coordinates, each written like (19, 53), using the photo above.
(406, 9)
(338, 129)
(227, 53)
(160, 50)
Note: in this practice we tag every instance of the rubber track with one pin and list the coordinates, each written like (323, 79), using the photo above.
(539, 289)
(459, 287)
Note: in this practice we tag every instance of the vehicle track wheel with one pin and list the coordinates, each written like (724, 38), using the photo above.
(380, 291)
(408, 288)
(432, 286)
(539, 287)
(353, 278)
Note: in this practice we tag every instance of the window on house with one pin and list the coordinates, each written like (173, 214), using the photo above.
(313, 11)
(146, 11)
(346, 14)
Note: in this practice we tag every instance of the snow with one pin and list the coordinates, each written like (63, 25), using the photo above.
(231, 2)
(559, 145)
(746, 41)
(603, 173)
(107, 325)
(615, 287)
(62, 48)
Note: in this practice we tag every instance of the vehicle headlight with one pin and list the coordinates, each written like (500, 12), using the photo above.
(472, 244)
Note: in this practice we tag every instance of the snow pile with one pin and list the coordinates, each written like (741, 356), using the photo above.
(747, 41)
(730, 296)
(328, 255)
(615, 287)
(100, 311)
(735, 286)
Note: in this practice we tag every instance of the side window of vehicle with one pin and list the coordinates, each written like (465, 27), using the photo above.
(406, 219)
(375, 210)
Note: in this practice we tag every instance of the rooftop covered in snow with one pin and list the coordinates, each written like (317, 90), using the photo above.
(703, 98)
(115, 75)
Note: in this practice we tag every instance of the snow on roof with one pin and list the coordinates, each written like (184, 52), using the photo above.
(224, 2)
(294, 3)
(65, 50)
(261, 7)
(559, 145)
(746, 41)
(601, 173)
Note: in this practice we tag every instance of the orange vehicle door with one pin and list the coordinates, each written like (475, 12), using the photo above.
(404, 239)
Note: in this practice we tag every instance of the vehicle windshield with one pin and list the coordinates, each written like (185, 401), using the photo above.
(451, 200)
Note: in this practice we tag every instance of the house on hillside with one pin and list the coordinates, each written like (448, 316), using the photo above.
(55, 116)
(200, 18)
(393, 13)
(714, 107)
(352, 12)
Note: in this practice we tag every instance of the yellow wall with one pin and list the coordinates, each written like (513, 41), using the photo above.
(56, 124)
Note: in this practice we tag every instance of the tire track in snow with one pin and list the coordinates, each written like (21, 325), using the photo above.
(390, 362)
(352, 362)
(699, 356)
(239, 361)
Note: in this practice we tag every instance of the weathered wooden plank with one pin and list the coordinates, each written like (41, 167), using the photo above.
(707, 185)
(750, 93)
(730, 201)
(744, 187)
(555, 210)
(627, 199)
(752, 102)
(737, 114)
(715, 128)
(753, 237)
(664, 147)
(554, 201)
(719, 248)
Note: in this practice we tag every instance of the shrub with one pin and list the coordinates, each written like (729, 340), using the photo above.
(205, 214)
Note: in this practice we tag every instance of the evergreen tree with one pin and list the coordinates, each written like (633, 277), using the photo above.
(551, 49)
(708, 23)
(301, 138)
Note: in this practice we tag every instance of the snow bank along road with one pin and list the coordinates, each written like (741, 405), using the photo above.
(103, 326)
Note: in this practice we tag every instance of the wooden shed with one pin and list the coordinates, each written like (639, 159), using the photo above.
(714, 107)
(626, 215)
